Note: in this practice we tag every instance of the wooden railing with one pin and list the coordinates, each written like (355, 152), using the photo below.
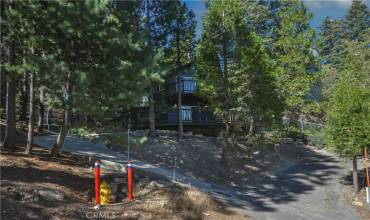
(191, 115)
(186, 86)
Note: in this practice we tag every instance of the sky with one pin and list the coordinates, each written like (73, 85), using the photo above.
(320, 9)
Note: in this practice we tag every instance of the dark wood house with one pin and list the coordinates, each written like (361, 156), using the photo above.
(195, 115)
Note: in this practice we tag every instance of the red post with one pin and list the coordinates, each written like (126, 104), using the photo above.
(367, 168)
(129, 181)
(97, 182)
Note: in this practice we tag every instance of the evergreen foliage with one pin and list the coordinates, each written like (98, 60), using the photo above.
(331, 45)
(293, 51)
(347, 83)
(348, 116)
(357, 20)
(236, 72)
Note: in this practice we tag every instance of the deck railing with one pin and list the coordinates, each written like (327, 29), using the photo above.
(189, 114)
(186, 86)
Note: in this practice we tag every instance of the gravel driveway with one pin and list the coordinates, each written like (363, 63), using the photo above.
(310, 189)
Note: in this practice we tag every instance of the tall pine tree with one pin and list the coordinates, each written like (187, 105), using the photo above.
(357, 20)
(235, 71)
(348, 116)
(292, 48)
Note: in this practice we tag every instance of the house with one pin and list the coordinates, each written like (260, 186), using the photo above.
(195, 114)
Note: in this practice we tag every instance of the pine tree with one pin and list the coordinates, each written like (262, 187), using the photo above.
(31, 115)
(292, 48)
(348, 116)
(170, 29)
(88, 57)
(182, 50)
(357, 20)
(24, 97)
(214, 60)
(158, 17)
(16, 36)
(9, 55)
(235, 71)
(254, 84)
(40, 119)
(331, 43)
(102, 68)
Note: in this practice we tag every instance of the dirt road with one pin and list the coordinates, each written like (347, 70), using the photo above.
(309, 189)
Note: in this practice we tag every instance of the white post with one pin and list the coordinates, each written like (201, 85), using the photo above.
(174, 171)
(47, 118)
(368, 195)
(301, 119)
(128, 144)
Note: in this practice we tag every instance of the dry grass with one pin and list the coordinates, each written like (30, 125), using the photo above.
(359, 201)
(174, 202)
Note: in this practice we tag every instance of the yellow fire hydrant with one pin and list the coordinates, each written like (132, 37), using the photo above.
(105, 193)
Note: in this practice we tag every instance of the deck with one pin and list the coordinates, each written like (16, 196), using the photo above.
(191, 115)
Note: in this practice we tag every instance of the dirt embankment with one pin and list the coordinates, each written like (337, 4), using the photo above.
(200, 157)
(39, 187)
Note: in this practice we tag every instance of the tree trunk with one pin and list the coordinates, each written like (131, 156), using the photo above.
(151, 92)
(40, 121)
(226, 106)
(9, 140)
(251, 126)
(151, 111)
(179, 103)
(179, 82)
(66, 119)
(57, 147)
(24, 97)
(31, 116)
(226, 144)
(355, 176)
(2, 104)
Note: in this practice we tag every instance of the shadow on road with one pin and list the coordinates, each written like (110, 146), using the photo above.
(288, 184)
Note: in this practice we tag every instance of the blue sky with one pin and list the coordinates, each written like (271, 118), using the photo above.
(319, 8)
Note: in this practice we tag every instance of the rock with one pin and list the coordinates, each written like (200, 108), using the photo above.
(159, 183)
(51, 195)
(356, 203)
(206, 214)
